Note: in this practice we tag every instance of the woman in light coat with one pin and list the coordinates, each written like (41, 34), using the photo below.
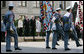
(20, 26)
(38, 26)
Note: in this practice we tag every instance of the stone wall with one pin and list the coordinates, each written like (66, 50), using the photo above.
(29, 10)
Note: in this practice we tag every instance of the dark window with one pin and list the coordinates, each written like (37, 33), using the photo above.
(36, 4)
(2, 17)
(62, 4)
(3, 3)
(23, 3)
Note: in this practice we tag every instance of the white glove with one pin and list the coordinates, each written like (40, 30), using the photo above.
(71, 29)
(53, 19)
(11, 28)
(51, 29)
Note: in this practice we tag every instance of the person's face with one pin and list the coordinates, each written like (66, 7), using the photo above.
(70, 10)
(59, 11)
(12, 8)
(38, 19)
(19, 16)
(33, 18)
(26, 17)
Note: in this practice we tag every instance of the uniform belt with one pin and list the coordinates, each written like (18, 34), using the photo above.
(56, 22)
(67, 23)
(8, 22)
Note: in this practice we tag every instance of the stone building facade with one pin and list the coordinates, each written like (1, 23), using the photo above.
(30, 8)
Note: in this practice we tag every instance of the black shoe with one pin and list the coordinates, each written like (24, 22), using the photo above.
(18, 48)
(79, 45)
(8, 50)
(54, 48)
(67, 49)
(47, 47)
(57, 44)
(68, 43)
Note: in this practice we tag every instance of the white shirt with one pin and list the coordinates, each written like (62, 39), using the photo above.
(48, 28)
(38, 26)
(54, 25)
(20, 23)
(67, 14)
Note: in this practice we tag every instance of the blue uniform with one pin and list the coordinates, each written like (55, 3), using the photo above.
(67, 24)
(2, 27)
(9, 22)
(58, 30)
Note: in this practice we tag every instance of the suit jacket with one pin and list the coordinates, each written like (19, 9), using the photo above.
(33, 24)
(26, 24)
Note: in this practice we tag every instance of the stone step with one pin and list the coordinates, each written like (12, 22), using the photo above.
(22, 39)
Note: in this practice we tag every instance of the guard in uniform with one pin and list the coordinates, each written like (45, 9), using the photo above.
(68, 27)
(54, 24)
(11, 29)
(57, 27)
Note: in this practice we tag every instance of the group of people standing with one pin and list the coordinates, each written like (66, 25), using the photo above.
(62, 25)
(29, 27)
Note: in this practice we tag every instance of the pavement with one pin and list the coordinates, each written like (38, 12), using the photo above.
(39, 47)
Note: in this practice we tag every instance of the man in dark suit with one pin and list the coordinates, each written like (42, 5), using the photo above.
(33, 27)
(26, 26)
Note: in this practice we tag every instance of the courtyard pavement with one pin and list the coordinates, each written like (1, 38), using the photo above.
(39, 47)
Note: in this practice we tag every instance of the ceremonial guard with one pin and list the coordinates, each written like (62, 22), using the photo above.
(57, 28)
(53, 28)
(11, 29)
(68, 27)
